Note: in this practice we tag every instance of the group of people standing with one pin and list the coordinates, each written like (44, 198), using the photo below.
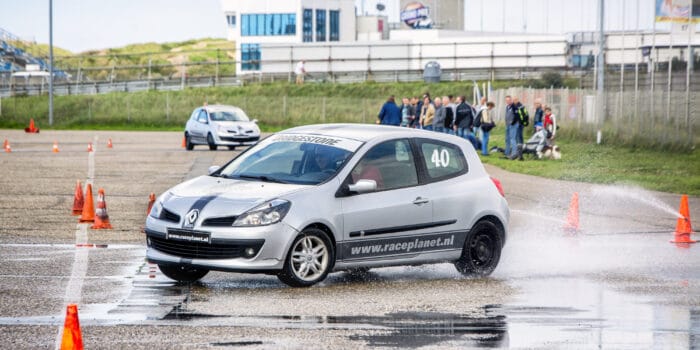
(446, 114)
(455, 116)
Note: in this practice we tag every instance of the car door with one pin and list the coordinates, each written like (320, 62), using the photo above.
(376, 224)
(454, 197)
(201, 126)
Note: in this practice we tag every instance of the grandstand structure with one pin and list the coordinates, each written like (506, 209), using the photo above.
(16, 62)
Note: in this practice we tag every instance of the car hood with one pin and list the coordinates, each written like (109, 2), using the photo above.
(218, 197)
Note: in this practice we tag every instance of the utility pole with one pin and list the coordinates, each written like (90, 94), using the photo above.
(50, 62)
(601, 67)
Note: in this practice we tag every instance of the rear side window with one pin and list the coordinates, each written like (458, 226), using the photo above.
(442, 160)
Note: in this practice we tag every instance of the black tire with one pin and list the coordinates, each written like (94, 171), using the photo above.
(210, 142)
(231, 148)
(291, 277)
(182, 273)
(481, 251)
(188, 142)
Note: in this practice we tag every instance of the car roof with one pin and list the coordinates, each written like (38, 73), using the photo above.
(359, 132)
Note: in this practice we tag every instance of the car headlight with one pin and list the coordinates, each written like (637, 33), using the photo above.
(267, 213)
(158, 205)
(156, 210)
(222, 129)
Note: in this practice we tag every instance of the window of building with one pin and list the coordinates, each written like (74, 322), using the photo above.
(250, 56)
(231, 20)
(272, 24)
(320, 25)
(334, 25)
(307, 26)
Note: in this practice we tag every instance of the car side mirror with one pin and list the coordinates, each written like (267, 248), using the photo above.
(363, 186)
(255, 121)
(212, 169)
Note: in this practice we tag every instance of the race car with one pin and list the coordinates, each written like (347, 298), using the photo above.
(220, 125)
(316, 199)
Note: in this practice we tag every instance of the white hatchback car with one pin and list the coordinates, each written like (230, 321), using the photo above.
(220, 125)
(315, 199)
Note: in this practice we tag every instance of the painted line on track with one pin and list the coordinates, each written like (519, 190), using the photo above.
(74, 288)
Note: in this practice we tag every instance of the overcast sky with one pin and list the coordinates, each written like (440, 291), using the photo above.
(81, 25)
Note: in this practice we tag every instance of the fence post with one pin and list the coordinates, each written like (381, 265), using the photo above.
(284, 107)
(128, 110)
(364, 110)
(323, 111)
(216, 78)
(182, 76)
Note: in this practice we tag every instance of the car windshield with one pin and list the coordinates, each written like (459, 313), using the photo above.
(228, 115)
(291, 160)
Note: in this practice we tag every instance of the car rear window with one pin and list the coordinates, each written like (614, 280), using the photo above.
(442, 160)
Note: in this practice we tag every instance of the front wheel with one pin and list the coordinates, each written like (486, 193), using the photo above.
(182, 273)
(231, 148)
(309, 260)
(188, 142)
(481, 251)
(210, 142)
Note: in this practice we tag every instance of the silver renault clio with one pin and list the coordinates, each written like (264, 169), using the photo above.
(334, 197)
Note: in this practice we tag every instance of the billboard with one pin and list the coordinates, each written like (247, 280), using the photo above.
(678, 11)
(416, 15)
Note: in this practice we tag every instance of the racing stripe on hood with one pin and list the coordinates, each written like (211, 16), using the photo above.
(193, 214)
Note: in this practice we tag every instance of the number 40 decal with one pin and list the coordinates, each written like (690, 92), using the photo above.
(441, 158)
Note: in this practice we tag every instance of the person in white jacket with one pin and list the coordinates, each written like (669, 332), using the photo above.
(535, 144)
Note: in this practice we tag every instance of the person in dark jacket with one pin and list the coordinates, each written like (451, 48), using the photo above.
(464, 120)
(511, 128)
(522, 119)
(390, 114)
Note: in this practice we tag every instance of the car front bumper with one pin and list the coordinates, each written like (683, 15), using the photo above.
(225, 250)
(236, 139)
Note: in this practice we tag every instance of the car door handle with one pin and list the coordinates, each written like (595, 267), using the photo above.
(419, 201)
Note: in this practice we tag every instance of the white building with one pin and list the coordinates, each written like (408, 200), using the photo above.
(252, 23)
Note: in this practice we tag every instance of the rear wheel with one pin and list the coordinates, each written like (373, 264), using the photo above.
(309, 260)
(188, 142)
(182, 273)
(210, 142)
(481, 251)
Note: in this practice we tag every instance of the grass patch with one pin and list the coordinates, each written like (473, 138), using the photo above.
(653, 169)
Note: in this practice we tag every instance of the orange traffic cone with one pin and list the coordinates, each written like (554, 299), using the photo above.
(683, 226)
(55, 147)
(109, 143)
(101, 217)
(151, 201)
(7, 147)
(89, 147)
(31, 128)
(184, 142)
(72, 339)
(78, 200)
(88, 214)
(572, 222)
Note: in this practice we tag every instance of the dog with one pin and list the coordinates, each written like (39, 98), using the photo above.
(552, 152)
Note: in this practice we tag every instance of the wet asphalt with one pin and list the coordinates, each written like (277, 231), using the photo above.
(618, 283)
